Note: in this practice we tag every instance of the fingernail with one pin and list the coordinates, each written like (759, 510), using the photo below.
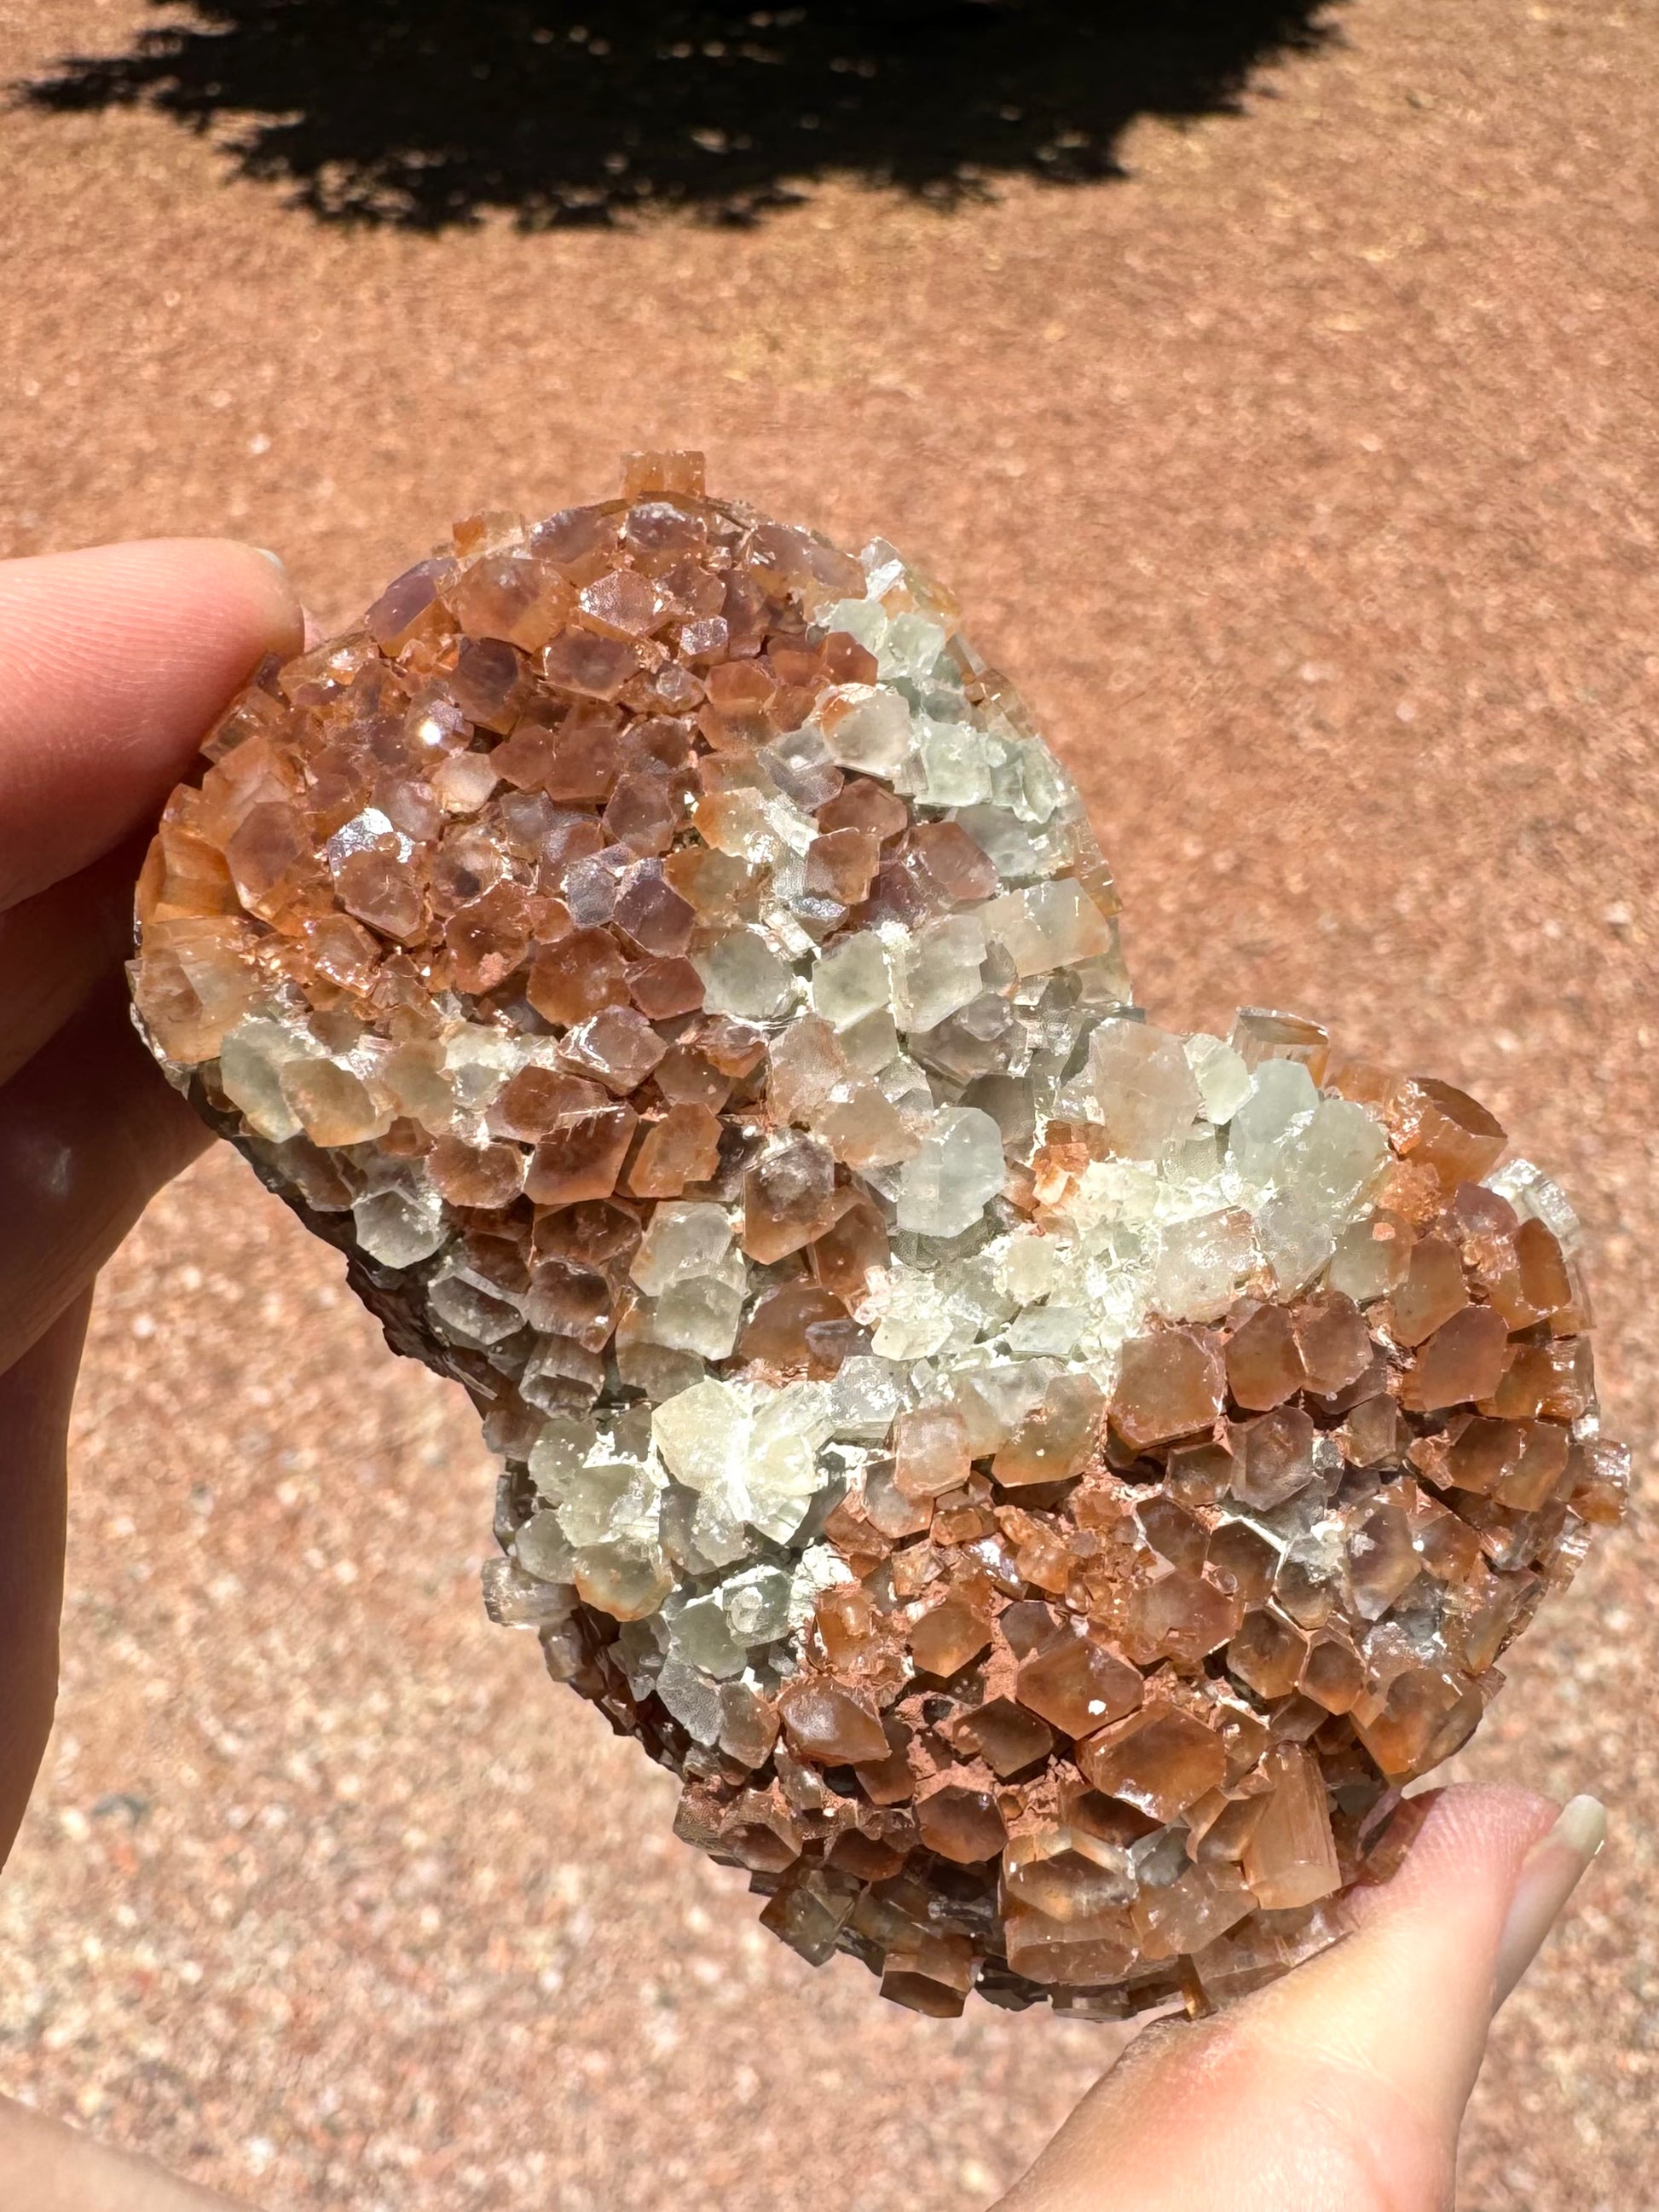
(275, 559)
(1551, 1872)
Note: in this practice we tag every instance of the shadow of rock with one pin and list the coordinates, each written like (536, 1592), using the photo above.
(429, 112)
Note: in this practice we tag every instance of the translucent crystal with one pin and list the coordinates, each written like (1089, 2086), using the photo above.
(943, 1190)
(743, 976)
(1147, 1093)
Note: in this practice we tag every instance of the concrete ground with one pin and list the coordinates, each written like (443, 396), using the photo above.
(1304, 476)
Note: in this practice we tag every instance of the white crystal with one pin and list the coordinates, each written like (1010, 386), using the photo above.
(700, 1635)
(1028, 1268)
(615, 1502)
(1201, 1264)
(1046, 1330)
(781, 1469)
(865, 1398)
(684, 1239)
(945, 1189)
(515, 1598)
(1535, 1198)
(867, 727)
(481, 1061)
(544, 1550)
(692, 1699)
(757, 1604)
(562, 1446)
(1043, 784)
(870, 1043)
(941, 971)
(399, 1226)
(914, 645)
(1362, 1267)
(1283, 1096)
(742, 976)
(466, 1309)
(864, 619)
(1018, 853)
(995, 1399)
(756, 1446)
(884, 569)
(954, 769)
(702, 1313)
(1147, 1095)
(1338, 1155)
(1048, 926)
(1296, 1239)
(250, 1061)
(853, 981)
(1223, 1078)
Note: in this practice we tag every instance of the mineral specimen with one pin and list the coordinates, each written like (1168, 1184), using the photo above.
(1044, 1483)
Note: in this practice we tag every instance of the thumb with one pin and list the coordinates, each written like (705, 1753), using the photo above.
(1341, 2088)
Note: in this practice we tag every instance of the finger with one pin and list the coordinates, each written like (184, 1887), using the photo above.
(88, 1131)
(47, 2168)
(34, 1409)
(1341, 2088)
(114, 662)
(55, 947)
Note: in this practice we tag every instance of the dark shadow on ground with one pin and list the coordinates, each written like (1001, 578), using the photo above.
(427, 112)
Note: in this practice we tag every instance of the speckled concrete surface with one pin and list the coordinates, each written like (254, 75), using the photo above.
(1306, 481)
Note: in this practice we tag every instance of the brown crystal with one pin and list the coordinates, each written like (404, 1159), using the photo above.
(1457, 1139)
(1276, 1459)
(1291, 1858)
(1461, 1363)
(1170, 1384)
(1261, 1034)
(948, 1635)
(1160, 1760)
(1077, 1684)
(930, 1453)
(789, 1324)
(830, 1725)
(790, 1198)
(1433, 1291)
(957, 1815)
(1264, 1362)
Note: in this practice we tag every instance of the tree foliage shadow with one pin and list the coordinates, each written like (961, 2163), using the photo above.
(429, 112)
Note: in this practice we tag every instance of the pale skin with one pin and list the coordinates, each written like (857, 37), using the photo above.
(1339, 2090)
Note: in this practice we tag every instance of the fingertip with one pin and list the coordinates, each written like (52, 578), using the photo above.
(246, 584)
(114, 663)
(1477, 1835)
(1344, 2082)
(1557, 1863)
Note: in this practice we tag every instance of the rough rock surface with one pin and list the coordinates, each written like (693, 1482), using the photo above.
(1045, 1484)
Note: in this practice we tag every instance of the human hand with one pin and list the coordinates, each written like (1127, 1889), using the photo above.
(1337, 2090)
(1340, 2088)
(114, 664)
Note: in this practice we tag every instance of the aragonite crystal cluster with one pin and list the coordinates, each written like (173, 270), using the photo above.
(1045, 1484)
